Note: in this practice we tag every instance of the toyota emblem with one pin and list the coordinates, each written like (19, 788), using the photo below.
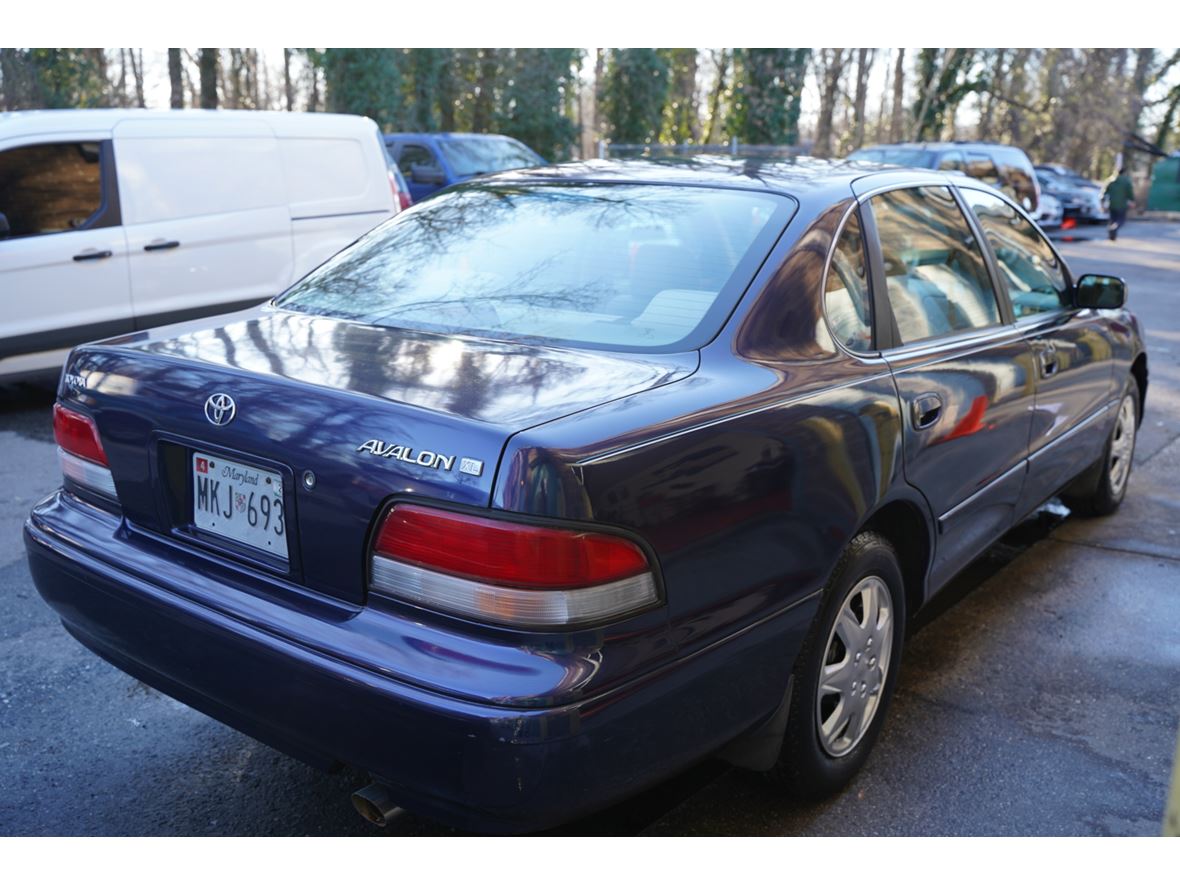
(220, 409)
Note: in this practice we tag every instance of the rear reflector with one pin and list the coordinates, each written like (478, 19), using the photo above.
(86, 473)
(508, 572)
(80, 452)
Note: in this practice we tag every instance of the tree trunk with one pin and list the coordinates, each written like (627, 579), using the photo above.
(830, 70)
(995, 86)
(722, 62)
(288, 86)
(176, 78)
(208, 68)
(864, 64)
(897, 123)
(137, 73)
(485, 100)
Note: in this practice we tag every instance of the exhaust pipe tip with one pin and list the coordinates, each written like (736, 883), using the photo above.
(376, 804)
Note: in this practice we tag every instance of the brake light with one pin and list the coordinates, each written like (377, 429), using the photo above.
(403, 198)
(80, 451)
(77, 434)
(508, 572)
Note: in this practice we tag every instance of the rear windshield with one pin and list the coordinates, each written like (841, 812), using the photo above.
(481, 156)
(630, 267)
(895, 156)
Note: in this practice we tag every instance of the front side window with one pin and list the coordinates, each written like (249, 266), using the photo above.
(847, 299)
(934, 269)
(1034, 275)
(50, 188)
(415, 155)
(636, 267)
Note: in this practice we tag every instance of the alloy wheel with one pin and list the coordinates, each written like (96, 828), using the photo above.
(855, 666)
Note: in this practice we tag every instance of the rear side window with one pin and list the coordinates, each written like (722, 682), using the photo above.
(952, 161)
(1034, 275)
(633, 267)
(847, 299)
(934, 269)
(50, 188)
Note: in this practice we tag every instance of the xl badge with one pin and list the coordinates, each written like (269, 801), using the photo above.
(382, 449)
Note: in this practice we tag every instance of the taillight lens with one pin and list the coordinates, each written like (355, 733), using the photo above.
(80, 450)
(508, 572)
(403, 198)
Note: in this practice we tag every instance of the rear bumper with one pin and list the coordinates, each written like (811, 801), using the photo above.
(477, 766)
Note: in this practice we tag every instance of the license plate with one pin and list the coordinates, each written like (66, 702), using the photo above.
(239, 502)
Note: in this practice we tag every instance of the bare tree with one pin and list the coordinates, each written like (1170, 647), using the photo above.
(176, 78)
(288, 85)
(830, 64)
(208, 67)
(864, 65)
(897, 123)
(721, 64)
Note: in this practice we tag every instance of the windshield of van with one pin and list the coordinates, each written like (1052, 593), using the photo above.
(632, 267)
(481, 156)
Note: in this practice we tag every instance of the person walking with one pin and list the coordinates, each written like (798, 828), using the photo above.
(1120, 195)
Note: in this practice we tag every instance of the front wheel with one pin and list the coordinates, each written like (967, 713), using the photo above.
(1106, 491)
(846, 671)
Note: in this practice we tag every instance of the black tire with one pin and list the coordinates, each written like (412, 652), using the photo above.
(804, 766)
(1096, 492)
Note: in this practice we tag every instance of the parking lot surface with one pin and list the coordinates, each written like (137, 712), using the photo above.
(1039, 694)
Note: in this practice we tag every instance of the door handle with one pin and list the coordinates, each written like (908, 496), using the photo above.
(157, 245)
(93, 255)
(925, 410)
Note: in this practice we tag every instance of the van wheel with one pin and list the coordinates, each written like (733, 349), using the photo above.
(1101, 494)
(846, 671)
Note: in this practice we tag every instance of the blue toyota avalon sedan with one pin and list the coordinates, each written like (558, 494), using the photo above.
(568, 478)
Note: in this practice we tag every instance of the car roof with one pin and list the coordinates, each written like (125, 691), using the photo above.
(831, 179)
(446, 136)
(941, 146)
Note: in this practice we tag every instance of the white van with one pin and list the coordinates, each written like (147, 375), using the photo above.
(117, 220)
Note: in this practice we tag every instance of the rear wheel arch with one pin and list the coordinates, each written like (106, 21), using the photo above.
(907, 528)
(1139, 371)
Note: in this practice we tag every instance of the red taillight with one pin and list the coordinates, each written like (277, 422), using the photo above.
(77, 434)
(403, 198)
(508, 572)
(506, 553)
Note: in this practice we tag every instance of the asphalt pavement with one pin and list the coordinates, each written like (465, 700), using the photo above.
(1039, 694)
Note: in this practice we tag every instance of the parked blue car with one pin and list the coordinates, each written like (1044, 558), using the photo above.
(566, 479)
(430, 161)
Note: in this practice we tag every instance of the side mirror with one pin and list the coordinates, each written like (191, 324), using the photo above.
(1096, 290)
(427, 174)
(5, 230)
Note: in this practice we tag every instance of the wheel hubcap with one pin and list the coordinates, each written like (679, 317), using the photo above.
(1122, 446)
(856, 663)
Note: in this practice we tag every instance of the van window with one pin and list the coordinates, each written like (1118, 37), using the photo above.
(952, 161)
(847, 300)
(981, 166)
(166, 178)
(934, 269)
(50, 188)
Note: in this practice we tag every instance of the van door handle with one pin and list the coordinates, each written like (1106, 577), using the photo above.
(925, 410)
(157, 245)
(93, 255)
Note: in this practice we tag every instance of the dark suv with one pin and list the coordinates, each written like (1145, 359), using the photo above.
(1000, 165)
